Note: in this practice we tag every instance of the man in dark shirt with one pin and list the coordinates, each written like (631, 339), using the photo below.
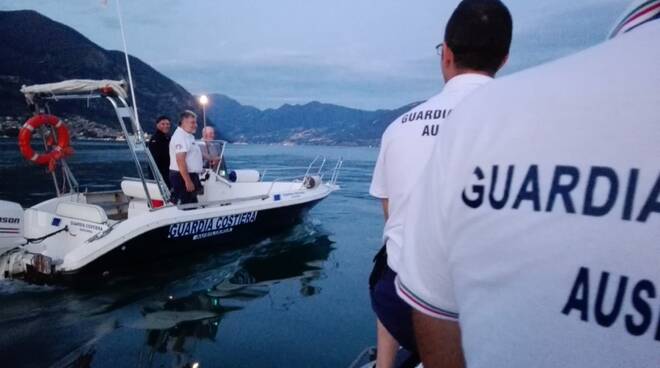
(159, 147)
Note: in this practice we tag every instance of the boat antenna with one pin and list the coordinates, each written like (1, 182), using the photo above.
(128, 64)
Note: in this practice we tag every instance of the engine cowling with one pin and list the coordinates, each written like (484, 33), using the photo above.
(11, 226)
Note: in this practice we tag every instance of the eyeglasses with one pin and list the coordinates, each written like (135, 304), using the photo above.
(438, 48)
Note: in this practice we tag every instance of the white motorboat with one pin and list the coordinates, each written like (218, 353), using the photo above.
(86, 236)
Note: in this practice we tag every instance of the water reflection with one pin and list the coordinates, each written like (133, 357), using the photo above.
(175, 327)
(60, 327)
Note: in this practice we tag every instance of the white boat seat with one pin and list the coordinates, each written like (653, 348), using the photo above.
(82, 211)
(134, 188)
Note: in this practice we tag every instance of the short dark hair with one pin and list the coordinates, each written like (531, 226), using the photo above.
(162, 117)
(479, 34)
(187, 114)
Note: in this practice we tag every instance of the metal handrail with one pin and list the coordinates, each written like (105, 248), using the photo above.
(335, 171)
(269, 170)
(321, 167)
(139, 134)
(137, 128)
(312, 164)
(286, 168)
(131, 146)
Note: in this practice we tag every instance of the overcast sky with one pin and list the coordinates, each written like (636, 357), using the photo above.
(360, 53)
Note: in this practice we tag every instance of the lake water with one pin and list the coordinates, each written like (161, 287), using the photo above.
(303, 300)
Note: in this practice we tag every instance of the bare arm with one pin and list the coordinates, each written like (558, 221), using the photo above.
(386, 207)
(438, 341)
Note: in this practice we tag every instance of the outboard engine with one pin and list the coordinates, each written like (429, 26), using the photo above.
(11, 226)
(15, 261)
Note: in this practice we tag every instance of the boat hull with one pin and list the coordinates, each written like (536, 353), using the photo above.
(210, 234)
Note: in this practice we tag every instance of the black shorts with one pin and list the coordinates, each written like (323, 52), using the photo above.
(391, 310)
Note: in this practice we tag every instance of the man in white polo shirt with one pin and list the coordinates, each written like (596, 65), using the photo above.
(185, 160)
(533, 239)
(477, 40)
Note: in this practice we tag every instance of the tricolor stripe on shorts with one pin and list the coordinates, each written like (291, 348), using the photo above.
(420, 304)
(644, 13)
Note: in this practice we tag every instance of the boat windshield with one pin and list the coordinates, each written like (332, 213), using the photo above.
(213, 155)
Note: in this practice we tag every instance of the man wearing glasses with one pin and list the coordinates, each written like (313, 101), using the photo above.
(554, 260)
(475, 47)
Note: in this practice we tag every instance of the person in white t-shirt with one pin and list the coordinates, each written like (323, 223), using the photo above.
(185, 160)
(477, 41)
(533, 239)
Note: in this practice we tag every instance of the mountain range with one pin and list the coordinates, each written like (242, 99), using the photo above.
(36, 49)
(311, 123)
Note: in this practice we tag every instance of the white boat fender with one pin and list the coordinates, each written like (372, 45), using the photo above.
(312, 182)
(244, 176)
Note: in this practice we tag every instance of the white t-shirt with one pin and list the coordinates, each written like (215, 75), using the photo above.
(563, 268)
(183, 141)
(406, 147)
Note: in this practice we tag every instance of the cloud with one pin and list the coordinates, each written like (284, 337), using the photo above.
(268, 76)
(371, 54)
(561, 32)
(300, 78)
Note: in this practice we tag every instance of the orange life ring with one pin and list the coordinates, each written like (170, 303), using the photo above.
(61, 149)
